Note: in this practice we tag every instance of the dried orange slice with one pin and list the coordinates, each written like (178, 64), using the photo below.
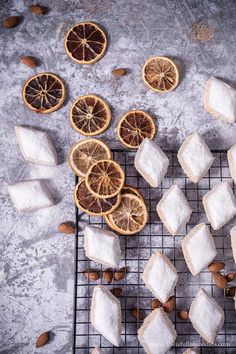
(133, 127)
(160, 74)
(132, 190)
(130, 216)
(105, 179)
(85, 153)
(92, 205)
(85, 43)
(44, 93)
(90, 115)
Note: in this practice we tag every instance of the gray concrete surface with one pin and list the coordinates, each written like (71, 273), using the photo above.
(36, 263)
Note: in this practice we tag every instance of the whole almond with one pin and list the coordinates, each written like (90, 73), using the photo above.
(169, 305)
(216, 266)
(29, 61)
(91, 274)
(230, 277)
(137, 314)
(11, 21)
(42, 339)
(37, 10)
(230, 292)
(108, 275)
(116, 292)
(220, 281)
(66, 228)
(155, 304)
(183, 314)
(120, 274)
(119, 72)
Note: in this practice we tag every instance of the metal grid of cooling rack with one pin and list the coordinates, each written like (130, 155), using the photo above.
(136, 251)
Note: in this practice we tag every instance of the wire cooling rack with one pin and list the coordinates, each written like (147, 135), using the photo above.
(136, 251)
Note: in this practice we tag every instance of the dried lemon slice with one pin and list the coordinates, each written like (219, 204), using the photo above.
(90, 115)
(160, 74)
(85, 43)
(130, 216)
(44, 93)
(92, 205)
(105, 179)
(85, 153)
(135, 126)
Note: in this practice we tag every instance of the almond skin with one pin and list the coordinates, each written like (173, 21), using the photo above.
(108, 275)
(220, 281)
(169, 305)
(37, 10)
(183, 314)
(119, 72)
(155, 304)
(216, 266)
(11, 21)
(42, 339)
(230, 292)
(120, 274)
(230, 277)
(116, 292)
(29, 61)
(137, 314)
(66, 228)
(91, 274)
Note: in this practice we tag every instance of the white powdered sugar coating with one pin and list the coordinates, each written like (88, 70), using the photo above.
(231, 154)
(233, 241)
(106, 314)
(30, 195)
(151, 162)
(199, 248)
(174, 210)
(97, 350)
(206, 315)
(222, 99)
(102, 246)
(160, 276)
(220, 205)
(36, 146)
(196, 156)
(157, 333)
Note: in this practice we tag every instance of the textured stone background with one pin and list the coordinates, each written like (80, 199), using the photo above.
(36, 263)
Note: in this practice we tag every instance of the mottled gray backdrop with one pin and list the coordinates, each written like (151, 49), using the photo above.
(36, 263)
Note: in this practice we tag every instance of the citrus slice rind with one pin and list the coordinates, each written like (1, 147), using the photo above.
(90, 115)
(105, 179)
(85, 153)
(85, 43)
(44, 92)
(160, 74)
(127, 189)
(92, 205)
(130, 216)
(135, 126)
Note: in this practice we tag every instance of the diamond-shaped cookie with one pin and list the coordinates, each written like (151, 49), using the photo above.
(206, 315)
(220, 205)
(198, 248)
(160, 276)
(231, 154)
(174, 210)
(157, 333)
(195, 157)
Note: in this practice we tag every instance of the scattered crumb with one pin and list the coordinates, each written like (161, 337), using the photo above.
(202, 32)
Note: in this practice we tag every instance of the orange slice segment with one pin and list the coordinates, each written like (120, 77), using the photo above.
(130, 216)
(85, 153)
(105, 179)
(92, 205)
(160, 74)
(133, 127)
(90, 115)
(44, 93)
(85, 43)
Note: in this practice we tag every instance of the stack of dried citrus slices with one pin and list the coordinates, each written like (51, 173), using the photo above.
(101, 190)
